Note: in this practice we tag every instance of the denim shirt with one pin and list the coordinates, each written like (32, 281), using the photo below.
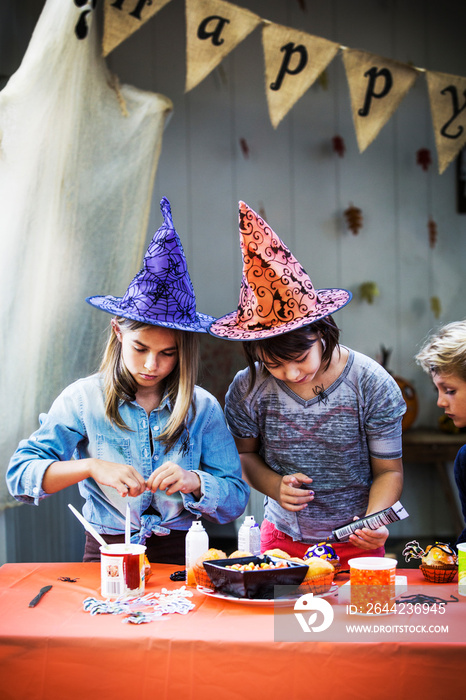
(76, 427)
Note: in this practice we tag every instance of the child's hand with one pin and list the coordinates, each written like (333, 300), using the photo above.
(170, 477)
(122, 477)
(369, 539)
(292, 494)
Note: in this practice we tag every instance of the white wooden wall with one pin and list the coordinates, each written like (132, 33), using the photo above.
(303, 186)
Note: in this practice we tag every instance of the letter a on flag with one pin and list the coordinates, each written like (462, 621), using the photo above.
(213, 29)
(124, 17)
(377, 86)
(293, 61)
(447, 95)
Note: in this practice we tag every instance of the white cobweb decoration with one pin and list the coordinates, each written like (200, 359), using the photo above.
(78, 156)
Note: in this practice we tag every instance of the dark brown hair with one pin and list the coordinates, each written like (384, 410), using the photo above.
(289, 346)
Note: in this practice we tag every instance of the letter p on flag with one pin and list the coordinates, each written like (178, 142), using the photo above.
(377, 86)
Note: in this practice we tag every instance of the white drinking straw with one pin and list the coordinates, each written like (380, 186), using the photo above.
(128, 526)
(88, 526)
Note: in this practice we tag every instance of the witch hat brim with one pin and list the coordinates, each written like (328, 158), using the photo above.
(161, 294)
(277, 295)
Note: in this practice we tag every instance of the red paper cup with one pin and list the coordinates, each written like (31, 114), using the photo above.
(122, 570)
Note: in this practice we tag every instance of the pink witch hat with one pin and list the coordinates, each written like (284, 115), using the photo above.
(277, 295)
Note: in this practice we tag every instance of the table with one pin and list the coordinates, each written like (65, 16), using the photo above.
(426, 446)
(221, 650)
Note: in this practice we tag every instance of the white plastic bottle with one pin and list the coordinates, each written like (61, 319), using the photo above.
(249, 536)
(197, 543)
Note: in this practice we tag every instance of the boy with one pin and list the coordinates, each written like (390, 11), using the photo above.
(444, 357)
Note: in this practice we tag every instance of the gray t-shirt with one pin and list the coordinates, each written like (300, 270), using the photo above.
(329, 438)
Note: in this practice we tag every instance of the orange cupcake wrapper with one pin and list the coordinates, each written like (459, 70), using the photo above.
(319, 584)
(435, 575)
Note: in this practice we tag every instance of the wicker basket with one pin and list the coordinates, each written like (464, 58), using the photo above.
(202, 578)
(435, 574)
(318, 584)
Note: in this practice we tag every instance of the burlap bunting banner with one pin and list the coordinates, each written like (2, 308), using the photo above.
(377, 86)
(447, 95)
(123, 17)
(213, 29)
(293, 61)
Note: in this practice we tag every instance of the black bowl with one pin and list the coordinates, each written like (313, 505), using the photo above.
(253, 584)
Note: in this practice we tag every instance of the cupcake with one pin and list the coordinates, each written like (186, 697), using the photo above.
(200, 574)
(279, 553)
(439, 563)
(319, 577)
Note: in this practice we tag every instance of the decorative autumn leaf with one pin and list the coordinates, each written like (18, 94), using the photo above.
(435, 306)
(339, 145)
(432, 227)
(354, 218)
(368, 291)
(423, 158)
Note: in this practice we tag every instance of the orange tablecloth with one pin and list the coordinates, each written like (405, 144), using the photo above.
(221, 650)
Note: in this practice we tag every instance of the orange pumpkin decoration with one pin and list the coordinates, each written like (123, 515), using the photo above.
(412, 404)
(407, 389)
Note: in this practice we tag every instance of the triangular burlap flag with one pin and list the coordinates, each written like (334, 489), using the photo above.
(447, 95)
(377, 86)
(213, 29)
(293, 61)
(124, 17)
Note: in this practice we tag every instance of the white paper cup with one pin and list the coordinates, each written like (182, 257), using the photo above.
(122, 570)
(461, 568)
(373, 584)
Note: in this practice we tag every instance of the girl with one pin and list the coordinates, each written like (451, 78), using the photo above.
(140, 428)
(443, 356)
(317, 425)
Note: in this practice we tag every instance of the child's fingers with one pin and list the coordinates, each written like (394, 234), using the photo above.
(294, 499)
(297, 479)
(369, 539)
(170, 477)
(125, 479)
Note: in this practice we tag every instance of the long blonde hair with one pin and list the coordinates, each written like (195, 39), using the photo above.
(445, 351)
(120, 385)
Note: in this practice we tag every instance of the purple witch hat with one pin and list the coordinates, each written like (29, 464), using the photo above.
(162, 293)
